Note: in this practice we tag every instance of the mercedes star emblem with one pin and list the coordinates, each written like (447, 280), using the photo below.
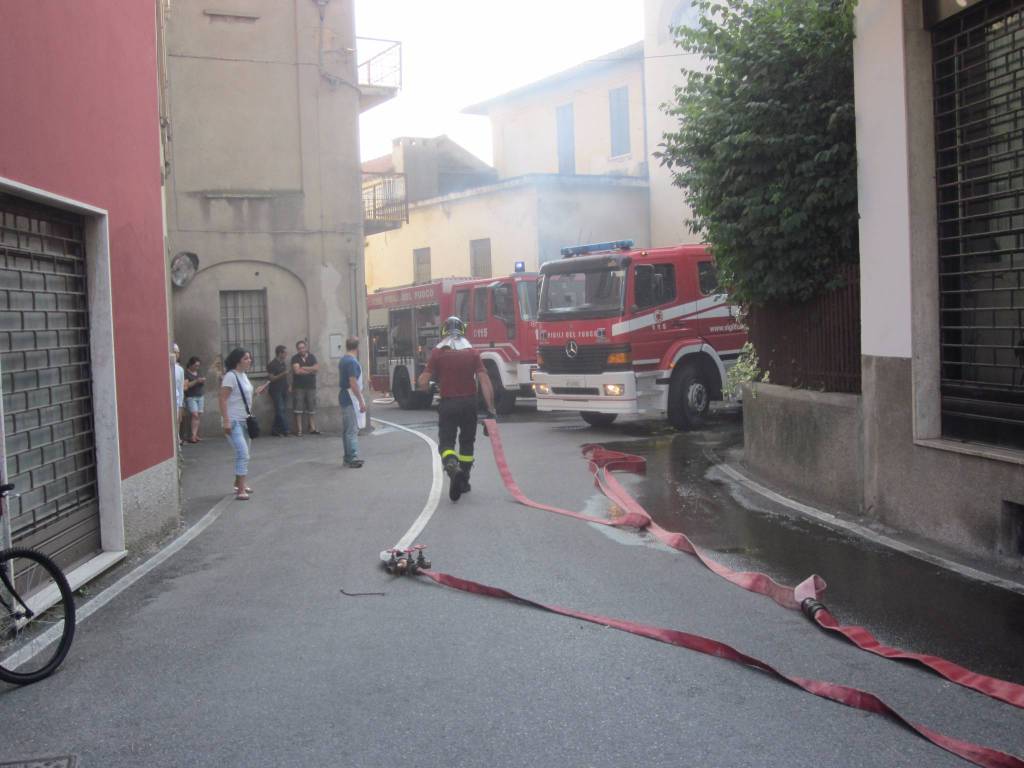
(571, 350)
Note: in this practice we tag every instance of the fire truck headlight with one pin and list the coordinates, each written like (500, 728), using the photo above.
(542, 389)
(614, 390)
(619, 358)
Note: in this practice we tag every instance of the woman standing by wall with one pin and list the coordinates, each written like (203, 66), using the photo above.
(194, 396)
(236, 396)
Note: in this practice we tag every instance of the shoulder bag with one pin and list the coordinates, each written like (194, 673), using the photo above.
(251, 425)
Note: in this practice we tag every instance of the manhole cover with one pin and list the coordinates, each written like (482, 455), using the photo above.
(68, 761)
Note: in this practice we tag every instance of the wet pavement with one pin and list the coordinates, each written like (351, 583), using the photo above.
(904, 601)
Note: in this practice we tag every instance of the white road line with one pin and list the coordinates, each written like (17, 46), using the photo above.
(432, 498)
(860, 530)
(83, 612)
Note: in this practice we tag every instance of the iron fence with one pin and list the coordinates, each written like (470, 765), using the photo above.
(380, 62)
(814, 345)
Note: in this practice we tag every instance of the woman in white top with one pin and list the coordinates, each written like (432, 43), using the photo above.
(236, 391)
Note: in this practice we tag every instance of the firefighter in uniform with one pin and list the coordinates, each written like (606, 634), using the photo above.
(457, 368)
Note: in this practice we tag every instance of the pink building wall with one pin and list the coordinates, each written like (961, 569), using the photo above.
(80, 119)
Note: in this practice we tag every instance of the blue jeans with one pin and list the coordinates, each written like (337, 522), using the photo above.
(350, 433)
(280, 399)
(239, 439)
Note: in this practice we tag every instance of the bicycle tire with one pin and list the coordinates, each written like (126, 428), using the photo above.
(27, 654)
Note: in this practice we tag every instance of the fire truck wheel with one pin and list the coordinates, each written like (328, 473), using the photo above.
(689, 397)
(504, 399)
(402, 390)
(595, 419)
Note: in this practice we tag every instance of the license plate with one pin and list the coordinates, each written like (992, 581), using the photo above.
(573, 383)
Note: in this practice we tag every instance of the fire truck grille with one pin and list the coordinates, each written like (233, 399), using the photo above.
(575, 390)
(588, 359)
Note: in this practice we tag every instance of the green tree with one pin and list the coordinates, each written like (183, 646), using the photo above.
(766, 149)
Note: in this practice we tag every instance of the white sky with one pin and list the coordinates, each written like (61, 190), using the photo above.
(459, 52)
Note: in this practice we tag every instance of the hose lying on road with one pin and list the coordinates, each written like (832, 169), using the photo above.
(805, 596)
(841, 694)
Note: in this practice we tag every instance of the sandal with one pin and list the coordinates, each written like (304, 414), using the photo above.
(247, 489)
(241, 496)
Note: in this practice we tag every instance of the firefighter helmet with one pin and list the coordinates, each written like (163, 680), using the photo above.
(454, 334)
(454, 326)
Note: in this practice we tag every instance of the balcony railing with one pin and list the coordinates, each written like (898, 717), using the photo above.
(380, 63)
(385, 205)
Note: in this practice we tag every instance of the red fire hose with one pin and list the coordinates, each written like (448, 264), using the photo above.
(842, 694)
(805, 596)
(601, 462)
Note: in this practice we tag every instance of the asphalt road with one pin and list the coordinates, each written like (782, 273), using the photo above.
(241, 650)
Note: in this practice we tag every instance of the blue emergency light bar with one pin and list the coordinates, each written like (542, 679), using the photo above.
(580, 250)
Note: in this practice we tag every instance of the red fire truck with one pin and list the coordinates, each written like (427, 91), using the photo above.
(501, 315)
(640, 332)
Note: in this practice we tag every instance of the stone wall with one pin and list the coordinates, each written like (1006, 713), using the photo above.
(807, 444)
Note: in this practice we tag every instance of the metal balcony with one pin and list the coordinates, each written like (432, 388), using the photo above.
(385, 205)
(379, 70)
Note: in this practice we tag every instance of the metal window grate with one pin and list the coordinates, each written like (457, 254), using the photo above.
(978, 60)
(243, 323)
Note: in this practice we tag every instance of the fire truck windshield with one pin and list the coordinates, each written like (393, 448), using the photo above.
(587, 293)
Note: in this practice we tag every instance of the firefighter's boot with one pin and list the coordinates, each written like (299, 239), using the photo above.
(454, 472)
(467, 467)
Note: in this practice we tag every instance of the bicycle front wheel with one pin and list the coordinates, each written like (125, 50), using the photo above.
(37, 616)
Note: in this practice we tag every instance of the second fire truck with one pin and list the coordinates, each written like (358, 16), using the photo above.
(643, 333)
(501, 317)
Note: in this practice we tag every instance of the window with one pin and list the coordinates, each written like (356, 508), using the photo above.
(503, 309)
(707, 277)
(401, 332)
(979, 173)
(243, 323)
(618, 112)
(528, 300)
(480, 305)
(480, 258)
(653, 284)
(421, 265)
(462, 304)
(685, 15)
(591, 293)
(566, 139)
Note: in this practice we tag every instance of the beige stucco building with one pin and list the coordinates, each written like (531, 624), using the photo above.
(585, 120)
(663, 63)
(573, 163)
(570, 167)
(484, 231)
(261, 138)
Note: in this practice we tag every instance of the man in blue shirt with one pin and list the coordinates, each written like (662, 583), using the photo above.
(349, 398)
